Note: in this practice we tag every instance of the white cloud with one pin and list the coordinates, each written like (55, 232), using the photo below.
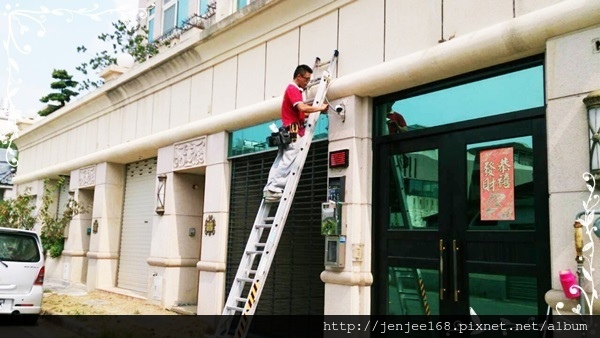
(128, 9)
(56, 49)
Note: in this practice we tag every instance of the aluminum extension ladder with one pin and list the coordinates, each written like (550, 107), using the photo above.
(402, 274)
(268, 226)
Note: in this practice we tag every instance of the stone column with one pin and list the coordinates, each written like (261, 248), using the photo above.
(349, 288)
(77, 243)
(211, 292)
(570, 78)
(103, 254)
(175, 246)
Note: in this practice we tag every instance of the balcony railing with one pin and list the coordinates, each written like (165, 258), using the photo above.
(200, 21)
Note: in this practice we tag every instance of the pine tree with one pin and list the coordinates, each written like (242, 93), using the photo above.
(64, 94)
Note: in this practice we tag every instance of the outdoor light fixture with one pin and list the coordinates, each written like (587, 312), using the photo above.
(125, 60)
(160, 194)
(592, 104)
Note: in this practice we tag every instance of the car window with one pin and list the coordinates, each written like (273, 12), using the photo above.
(18, 248)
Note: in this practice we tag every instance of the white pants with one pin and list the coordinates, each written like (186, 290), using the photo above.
(282, 167)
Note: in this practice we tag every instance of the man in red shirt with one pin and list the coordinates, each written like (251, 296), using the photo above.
(396, 123)
(293, 113)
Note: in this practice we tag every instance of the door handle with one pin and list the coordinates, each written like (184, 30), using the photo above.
(455, 249)
(441, 269)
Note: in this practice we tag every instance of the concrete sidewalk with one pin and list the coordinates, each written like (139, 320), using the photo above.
(62, 288)
(117, 324)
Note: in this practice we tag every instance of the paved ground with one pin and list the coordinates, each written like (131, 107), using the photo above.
(63, 299)
(112, 315)
(63, 288)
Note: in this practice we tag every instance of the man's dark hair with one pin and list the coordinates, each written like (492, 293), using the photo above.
(301, 70)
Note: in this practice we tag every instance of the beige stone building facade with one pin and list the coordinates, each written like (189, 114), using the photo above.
(166, 150)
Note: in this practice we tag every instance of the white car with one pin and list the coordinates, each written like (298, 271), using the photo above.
(21, 274)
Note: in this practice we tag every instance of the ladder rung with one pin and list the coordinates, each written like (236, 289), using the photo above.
(263, 225)
(235, 308)
(247, 271)
(314, 82)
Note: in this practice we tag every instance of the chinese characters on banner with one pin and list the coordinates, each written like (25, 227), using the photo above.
(497, 184)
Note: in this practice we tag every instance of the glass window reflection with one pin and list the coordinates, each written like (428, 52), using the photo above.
(414, 190)
(254, 139)
(515, 91)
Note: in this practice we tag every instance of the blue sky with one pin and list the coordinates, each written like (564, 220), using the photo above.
(41, 35)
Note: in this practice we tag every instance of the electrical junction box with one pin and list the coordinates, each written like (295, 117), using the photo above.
(335, 251)
(336, 188)
(331, 218)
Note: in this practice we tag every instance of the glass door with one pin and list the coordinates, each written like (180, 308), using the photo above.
(460, 221)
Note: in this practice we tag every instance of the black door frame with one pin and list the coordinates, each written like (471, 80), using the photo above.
(532, 122)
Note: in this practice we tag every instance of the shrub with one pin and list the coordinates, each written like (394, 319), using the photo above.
(18, 213)
(54, 225)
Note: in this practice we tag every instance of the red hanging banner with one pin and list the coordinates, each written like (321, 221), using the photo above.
(497, 184)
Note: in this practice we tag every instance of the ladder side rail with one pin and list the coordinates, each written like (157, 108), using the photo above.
(278, 222)
(289, 191)
(398, 168)
(231, 304)
(285, 204)
(421, 290)
(247, 260)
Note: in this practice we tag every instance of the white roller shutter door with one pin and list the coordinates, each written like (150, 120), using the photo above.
(136, 229)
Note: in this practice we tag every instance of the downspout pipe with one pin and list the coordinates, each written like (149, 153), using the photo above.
(507, 41)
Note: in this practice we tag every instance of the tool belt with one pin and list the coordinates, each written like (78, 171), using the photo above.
(284, 136)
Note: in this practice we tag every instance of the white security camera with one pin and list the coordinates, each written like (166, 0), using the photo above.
(340, 108)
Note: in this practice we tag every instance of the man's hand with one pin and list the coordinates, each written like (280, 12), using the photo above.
(308, 109)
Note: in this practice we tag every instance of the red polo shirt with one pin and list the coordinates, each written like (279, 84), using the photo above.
(289, 112)
(399, 122)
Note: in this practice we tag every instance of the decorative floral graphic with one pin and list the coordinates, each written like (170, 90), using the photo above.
(586, 253)
(497, 184)
(23, 22)
(585, 226)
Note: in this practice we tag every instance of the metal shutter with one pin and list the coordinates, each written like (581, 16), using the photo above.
(136, 229)
(294, 286)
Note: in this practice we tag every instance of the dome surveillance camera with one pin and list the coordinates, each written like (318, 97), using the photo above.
(340, 108)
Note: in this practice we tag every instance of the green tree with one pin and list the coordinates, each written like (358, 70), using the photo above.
(53, 224)
(63, 84)
(19, 213)
(127, 38)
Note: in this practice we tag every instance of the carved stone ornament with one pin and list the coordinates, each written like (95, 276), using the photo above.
(87, 176)
(209, 225)
(190, 154)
